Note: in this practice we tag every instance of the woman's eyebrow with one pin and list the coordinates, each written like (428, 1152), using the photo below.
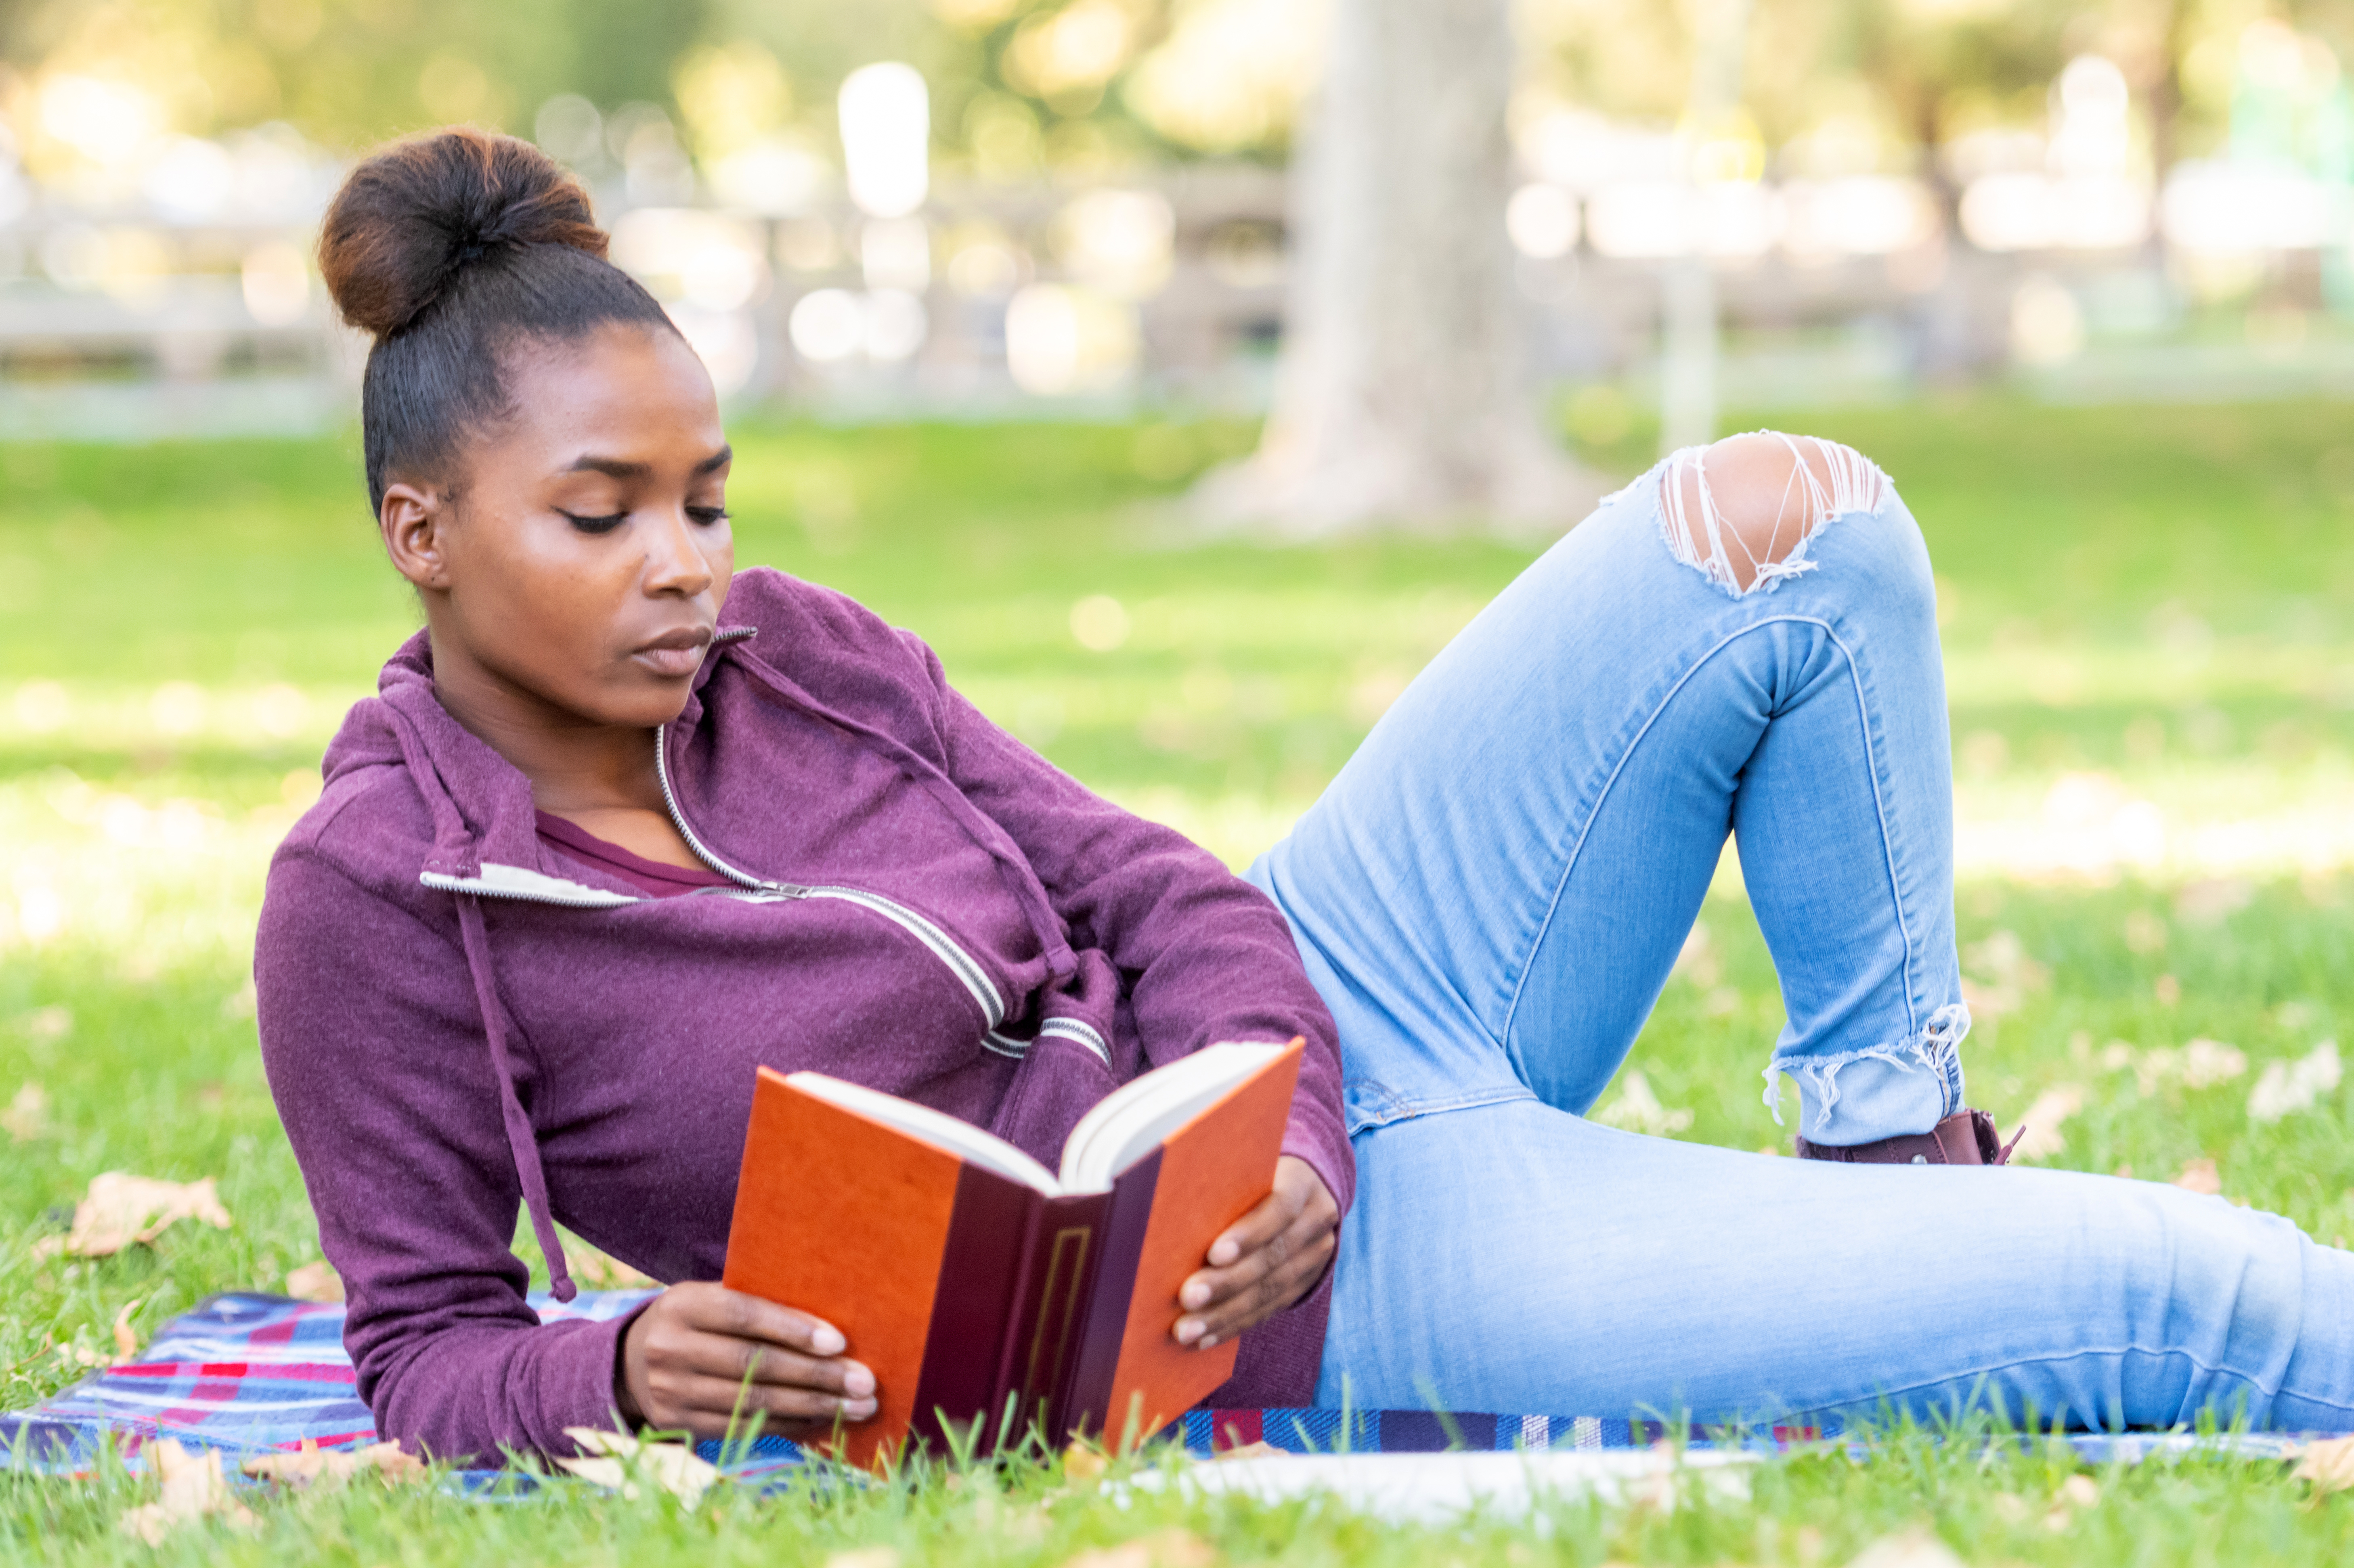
(618, 468)
(622, 468)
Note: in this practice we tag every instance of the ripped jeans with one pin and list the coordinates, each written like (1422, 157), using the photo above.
(1490, 895)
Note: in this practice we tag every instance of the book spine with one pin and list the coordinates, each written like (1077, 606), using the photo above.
(1088, 1391)
(987, 1230)
(1045, 1324)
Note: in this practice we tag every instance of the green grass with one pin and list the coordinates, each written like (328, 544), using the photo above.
(2149, 617)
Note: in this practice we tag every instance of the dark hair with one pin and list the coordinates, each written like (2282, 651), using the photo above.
(447, 248)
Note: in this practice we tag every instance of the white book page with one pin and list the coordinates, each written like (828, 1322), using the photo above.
(1130, 1122)
(938, 1128)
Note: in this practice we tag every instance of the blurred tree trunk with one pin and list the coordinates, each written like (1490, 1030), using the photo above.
(1403, 395)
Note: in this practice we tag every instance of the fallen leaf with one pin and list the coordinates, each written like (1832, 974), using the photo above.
(2283, 1087)
(2169, 991)
(2003, 975)
(47, 1024)
(2043, 1119)
(2209, 1062)
(2328, 1464)
(315, 1282)
(27, 1116)
(194, 1488)
(121, 1209)
(1697, 960)
(312, 1463)
(1259, 1450)
(2200, 1064)
(1915, 1548)
(2076, 1492)
(1638, 1109)
(618, 1461)
(2199, 1176)
(126, 1342)
(1082, 1463)
(1169, 1549)
(601, 1270)
(2212, 899)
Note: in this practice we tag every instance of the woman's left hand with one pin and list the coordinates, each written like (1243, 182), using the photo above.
(1266, 1261)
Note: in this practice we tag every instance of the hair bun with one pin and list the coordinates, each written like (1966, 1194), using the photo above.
(411, 218)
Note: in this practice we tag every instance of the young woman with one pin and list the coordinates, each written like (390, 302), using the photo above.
(624, 824)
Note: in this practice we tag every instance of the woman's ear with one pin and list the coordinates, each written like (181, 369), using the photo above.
(414, 521)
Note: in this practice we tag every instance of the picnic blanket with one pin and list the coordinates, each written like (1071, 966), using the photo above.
(252, 1374)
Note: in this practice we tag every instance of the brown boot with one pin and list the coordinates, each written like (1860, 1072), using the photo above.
(1965, 1138)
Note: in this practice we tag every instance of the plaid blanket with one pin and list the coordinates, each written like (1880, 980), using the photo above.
(252, 1373)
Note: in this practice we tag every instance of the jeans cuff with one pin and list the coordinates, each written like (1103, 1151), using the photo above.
(1908, 1085)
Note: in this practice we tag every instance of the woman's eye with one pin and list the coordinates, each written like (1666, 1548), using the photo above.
(596, 524)
(707, 515)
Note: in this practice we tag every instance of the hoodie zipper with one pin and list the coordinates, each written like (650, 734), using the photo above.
(943, 947)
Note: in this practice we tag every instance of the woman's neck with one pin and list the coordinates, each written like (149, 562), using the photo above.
(600, 777)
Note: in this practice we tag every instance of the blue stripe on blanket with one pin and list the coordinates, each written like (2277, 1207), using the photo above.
(252, 1373)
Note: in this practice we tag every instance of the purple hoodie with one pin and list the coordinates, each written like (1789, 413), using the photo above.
(458, 1019)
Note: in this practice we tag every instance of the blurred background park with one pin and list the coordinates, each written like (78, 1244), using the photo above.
(1123, 349)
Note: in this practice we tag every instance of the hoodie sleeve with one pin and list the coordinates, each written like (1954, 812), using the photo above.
(378, 1064)
(1205, 956)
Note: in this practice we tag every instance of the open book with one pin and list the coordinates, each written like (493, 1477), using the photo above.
(979, 1286)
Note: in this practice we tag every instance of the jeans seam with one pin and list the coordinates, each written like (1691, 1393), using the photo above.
(1989, 1369)
(1871, 770)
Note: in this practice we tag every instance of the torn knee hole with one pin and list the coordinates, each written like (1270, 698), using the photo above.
(1742, 511)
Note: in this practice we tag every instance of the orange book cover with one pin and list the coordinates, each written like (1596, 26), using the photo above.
(974, 1296)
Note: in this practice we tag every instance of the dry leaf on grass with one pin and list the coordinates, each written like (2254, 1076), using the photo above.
(1082, 1463)
(618, 1461)
(2053, 1106)
(121, 1209)
(126, 1342)
(1259, 1450)
(1638, 1109)
(312, 1463)
(194, 1488)
(2076, 1492)
(45, 1024)
(2199, 1176)
(2287, 1086)
(1914, 1549)
(602, 1271)
(315, 1282)
(2328, 1464)
(1169, 1549)
(27, 1116)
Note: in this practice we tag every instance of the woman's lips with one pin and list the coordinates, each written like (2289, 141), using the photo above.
(677, 656)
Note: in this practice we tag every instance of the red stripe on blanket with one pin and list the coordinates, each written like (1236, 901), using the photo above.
(1236, 1429)
(280, 1372)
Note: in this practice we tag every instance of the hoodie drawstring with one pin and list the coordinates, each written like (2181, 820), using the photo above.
(523, 1144)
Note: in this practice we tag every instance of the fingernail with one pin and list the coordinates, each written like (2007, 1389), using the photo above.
(827, 1341)
(1188, 1330)
(857, 1381)
(1207, 1341)
(1195, 1296)
(858, 1409)
(1222, 1252)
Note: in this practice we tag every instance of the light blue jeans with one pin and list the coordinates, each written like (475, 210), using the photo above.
(1490, 897)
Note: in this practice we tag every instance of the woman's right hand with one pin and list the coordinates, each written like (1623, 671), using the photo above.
(686, 1358)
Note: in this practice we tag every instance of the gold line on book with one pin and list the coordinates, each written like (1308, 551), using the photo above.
(1072, 1242)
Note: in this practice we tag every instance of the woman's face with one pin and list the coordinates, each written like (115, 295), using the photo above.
(582, 558)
